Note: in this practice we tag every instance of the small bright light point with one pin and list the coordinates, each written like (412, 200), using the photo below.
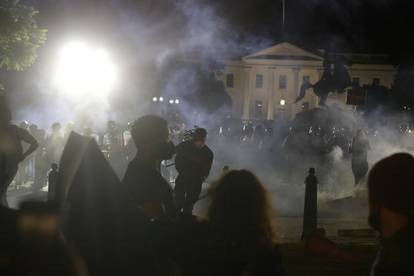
(282, 102)
(177, 101)
(84, 71)
(161, 99)
(171, 101)
(154, 99)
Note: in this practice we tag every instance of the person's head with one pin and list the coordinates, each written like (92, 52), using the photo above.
(150, 135)
(311, 171)
(240, 209)
(56, 127)
(391, 188)
(24, 124)
(111, 125)
(199, 137)
(54, 166)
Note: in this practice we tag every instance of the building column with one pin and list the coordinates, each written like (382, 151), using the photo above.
(270, 94)
(247, 92)
(295, 88)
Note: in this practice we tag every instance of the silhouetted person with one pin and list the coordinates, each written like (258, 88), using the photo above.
(146, 187)
(238, 237)
(359, 149)
(129, 147)
(55, 143)
(40, 248)
(11, 150)
(40, 163)
(113, 142)
(193, 163)
(25, 167)
(310, 213)
(52, 180)
(391, 191)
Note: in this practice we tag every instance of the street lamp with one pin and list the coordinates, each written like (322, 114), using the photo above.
(171, 101)
(155, 99)
(161, 99)
(177, 101)
(282, 102)
(84, 70)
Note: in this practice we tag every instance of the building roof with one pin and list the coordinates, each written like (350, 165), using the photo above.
(288, 51)
(284, 51)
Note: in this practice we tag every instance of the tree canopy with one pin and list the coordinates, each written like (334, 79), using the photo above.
(20, 35)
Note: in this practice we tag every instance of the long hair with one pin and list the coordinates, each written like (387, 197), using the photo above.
(240, 210)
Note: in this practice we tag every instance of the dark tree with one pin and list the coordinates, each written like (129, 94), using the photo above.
(196, 84)
(20, 36)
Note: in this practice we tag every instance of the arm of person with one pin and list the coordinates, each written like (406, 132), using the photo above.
(26, 137)
(169, 205)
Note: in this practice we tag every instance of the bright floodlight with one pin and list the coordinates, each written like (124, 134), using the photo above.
(171, 101)
(154, 99)
(84, 71)
(282, 102)
(161, 99)
(177, 101)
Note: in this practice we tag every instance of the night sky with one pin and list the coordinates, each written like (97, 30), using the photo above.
(140, 34)
(342, 25)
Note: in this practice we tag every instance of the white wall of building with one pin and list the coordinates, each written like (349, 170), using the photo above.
(251, 101)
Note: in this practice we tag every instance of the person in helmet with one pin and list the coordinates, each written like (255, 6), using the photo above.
(193, 163)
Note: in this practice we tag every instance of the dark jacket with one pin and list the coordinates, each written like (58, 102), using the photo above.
(193, 162)
(395, 256)
(145, 184)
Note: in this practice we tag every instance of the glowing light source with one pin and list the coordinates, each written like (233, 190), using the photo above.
(177, 101)
(161, 99)
(154, 99)
(171, 101)
(84, 71)
(282, 102)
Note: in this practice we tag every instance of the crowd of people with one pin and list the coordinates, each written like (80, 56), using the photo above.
(145, 227)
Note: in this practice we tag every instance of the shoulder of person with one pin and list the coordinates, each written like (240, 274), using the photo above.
(208, 150)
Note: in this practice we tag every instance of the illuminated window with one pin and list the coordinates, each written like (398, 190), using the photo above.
(282, 82)
(259, 81)
(229, 80)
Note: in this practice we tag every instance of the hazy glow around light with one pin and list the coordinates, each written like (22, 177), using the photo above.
(171, 101)
(154, 99)
(161, 99)
(282, 102)
(84, 71)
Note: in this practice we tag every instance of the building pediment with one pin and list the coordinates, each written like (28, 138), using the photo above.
(284, 51)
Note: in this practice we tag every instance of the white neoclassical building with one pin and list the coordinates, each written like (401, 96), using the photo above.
(264, 85)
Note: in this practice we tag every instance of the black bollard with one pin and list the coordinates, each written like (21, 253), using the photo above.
(310, 213)
(52, 179)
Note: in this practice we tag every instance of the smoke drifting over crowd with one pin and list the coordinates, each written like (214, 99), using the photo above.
(145, 40)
